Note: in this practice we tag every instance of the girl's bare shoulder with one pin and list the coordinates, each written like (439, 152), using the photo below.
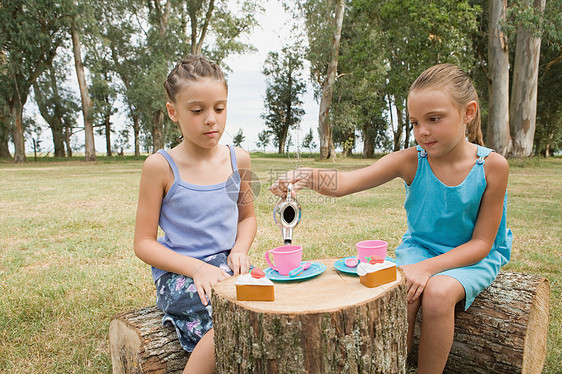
(406, 163)
(243, 158)
(156, 168)
(496, 166)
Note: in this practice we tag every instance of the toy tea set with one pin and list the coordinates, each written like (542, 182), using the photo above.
(371, 264)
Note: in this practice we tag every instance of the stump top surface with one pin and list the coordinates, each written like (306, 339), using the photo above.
(327, 292)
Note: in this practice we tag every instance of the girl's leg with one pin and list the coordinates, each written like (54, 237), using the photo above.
(440, 296)
(413, 309)
(202, 359)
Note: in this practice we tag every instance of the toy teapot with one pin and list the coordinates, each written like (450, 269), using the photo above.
(287, 214)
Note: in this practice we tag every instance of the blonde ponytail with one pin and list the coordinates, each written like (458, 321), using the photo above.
(459, 87)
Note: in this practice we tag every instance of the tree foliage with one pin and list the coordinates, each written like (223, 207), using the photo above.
(285, 85)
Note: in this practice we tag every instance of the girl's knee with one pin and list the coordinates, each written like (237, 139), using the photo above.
(440, 296)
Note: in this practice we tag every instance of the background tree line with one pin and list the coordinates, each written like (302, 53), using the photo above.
(361, 57)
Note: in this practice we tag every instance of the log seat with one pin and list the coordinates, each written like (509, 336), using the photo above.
(504, 331)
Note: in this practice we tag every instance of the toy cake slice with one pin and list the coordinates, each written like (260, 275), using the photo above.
(254, 286)
(376, 272)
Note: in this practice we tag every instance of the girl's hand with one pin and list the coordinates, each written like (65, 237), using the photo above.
(300, 178)
(416, 279)
(238, 262)
(205, 278)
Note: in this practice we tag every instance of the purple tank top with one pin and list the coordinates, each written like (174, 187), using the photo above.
(199, 221)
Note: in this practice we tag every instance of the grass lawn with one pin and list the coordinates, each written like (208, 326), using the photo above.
(67, 263)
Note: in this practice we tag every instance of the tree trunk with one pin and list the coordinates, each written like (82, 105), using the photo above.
(67, 134)
(136, 131)
(16, 108)
(523, 107)
(368, 148)
(399, 128)
(157, 122)
(4, 149)
(327, 149)
(504, 331)
(498, 137)
(55, 121)
(140, 344)
(87, 103)
(327, 324)
(107, 124)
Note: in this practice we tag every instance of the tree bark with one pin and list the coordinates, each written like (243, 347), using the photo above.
(498, 137)
(399, 127)
(136, 131)
(368, 148)
(140, 344)
(107, 125)
(523, 107)
(327, 324)
(504, 331)
(327, 149)
(87, 103)
(157, 122)
(16, 108)
(55, 121)
(4, 149)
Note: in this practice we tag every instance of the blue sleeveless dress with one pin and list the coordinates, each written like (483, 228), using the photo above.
(198, 221)
(442, 217)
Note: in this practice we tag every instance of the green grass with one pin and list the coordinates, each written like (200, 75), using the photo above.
(67, 264)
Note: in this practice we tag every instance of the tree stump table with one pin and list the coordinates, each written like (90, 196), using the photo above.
(327, 324)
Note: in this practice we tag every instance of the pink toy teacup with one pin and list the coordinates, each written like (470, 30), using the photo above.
(287, 258)
(369, 248)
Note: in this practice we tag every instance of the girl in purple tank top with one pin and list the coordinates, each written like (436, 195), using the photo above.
(194, 193)
(457, 238)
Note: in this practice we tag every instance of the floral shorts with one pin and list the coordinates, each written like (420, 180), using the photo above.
(177, 297)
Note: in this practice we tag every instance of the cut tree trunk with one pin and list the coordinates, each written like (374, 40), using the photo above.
(328, 324)
(140, 344)
(505, 329)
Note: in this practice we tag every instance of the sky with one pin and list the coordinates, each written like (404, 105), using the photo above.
(246, 83)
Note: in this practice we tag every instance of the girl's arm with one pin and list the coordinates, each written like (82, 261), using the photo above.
(156, 175)
(238, 259)
(329, 182)
(483, 236)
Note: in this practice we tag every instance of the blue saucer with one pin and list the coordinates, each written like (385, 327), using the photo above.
(315, 269)
(341, 266)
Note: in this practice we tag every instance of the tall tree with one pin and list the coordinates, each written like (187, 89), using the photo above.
(176, 28)
(30, 33)
(523, 106)
(285, 85)
(57, 106)
(327, 149)
(362, 78)
(498, 134)
(87, 102)
(239, 138)
(323, 21)
(548, 135)
(263, 139)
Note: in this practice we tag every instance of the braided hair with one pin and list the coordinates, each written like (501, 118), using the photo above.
(191, 68)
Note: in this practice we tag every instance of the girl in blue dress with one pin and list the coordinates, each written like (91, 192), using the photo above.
(199, 194)
(456, 198)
